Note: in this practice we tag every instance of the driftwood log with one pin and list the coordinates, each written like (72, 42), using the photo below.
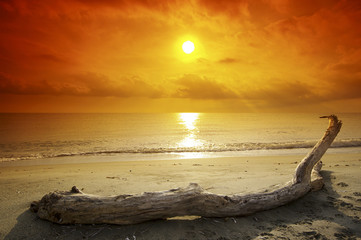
(76, 207)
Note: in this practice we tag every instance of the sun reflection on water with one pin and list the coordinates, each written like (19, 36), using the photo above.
(189, 121)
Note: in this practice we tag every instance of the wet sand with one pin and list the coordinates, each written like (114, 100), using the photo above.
(331, 213)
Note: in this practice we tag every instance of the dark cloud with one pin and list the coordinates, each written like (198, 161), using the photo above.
(195, 87)
(82, 85)
(8, 86)
(348, 88)
(347, 68)
(343, 86)
(228, 60)
(286, 93)
(273, 93)
(282, 93)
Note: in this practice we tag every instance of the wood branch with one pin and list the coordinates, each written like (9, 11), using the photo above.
(76, 207)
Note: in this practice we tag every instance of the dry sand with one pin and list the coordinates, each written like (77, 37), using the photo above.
(331, 213)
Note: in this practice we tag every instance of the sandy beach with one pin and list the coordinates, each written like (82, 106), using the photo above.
(331, 213)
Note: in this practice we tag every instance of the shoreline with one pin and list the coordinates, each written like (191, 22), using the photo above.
(299, 152)
(336, 209)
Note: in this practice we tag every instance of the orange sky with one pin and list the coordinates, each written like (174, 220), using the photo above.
(126, 56)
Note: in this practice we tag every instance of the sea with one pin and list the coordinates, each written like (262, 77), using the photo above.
(31, 138)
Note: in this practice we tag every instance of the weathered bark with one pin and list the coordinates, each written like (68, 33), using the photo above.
(77, 207)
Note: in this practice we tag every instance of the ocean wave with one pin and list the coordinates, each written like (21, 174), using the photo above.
(231, 147)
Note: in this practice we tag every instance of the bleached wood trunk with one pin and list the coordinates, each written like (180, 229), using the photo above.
(77, 207)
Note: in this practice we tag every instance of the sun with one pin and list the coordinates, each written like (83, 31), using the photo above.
(188, 47)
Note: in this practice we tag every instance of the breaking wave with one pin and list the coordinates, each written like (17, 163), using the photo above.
(208, 148)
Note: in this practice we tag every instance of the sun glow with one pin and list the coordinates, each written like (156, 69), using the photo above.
(188, 47)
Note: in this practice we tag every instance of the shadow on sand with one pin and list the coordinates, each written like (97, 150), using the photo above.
(318, 215)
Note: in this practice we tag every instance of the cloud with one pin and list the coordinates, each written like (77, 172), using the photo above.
(343, 84)
(82, 9)
(89, 84)
(159, 5)
(8, 86)
(51, 58)
(228, 60)
(232, 8)
(266, 10)
(286, 93)
(347, 67)
(347, 87)
(324, 31)
(282, 93)
(195, 87)
(83, 48)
